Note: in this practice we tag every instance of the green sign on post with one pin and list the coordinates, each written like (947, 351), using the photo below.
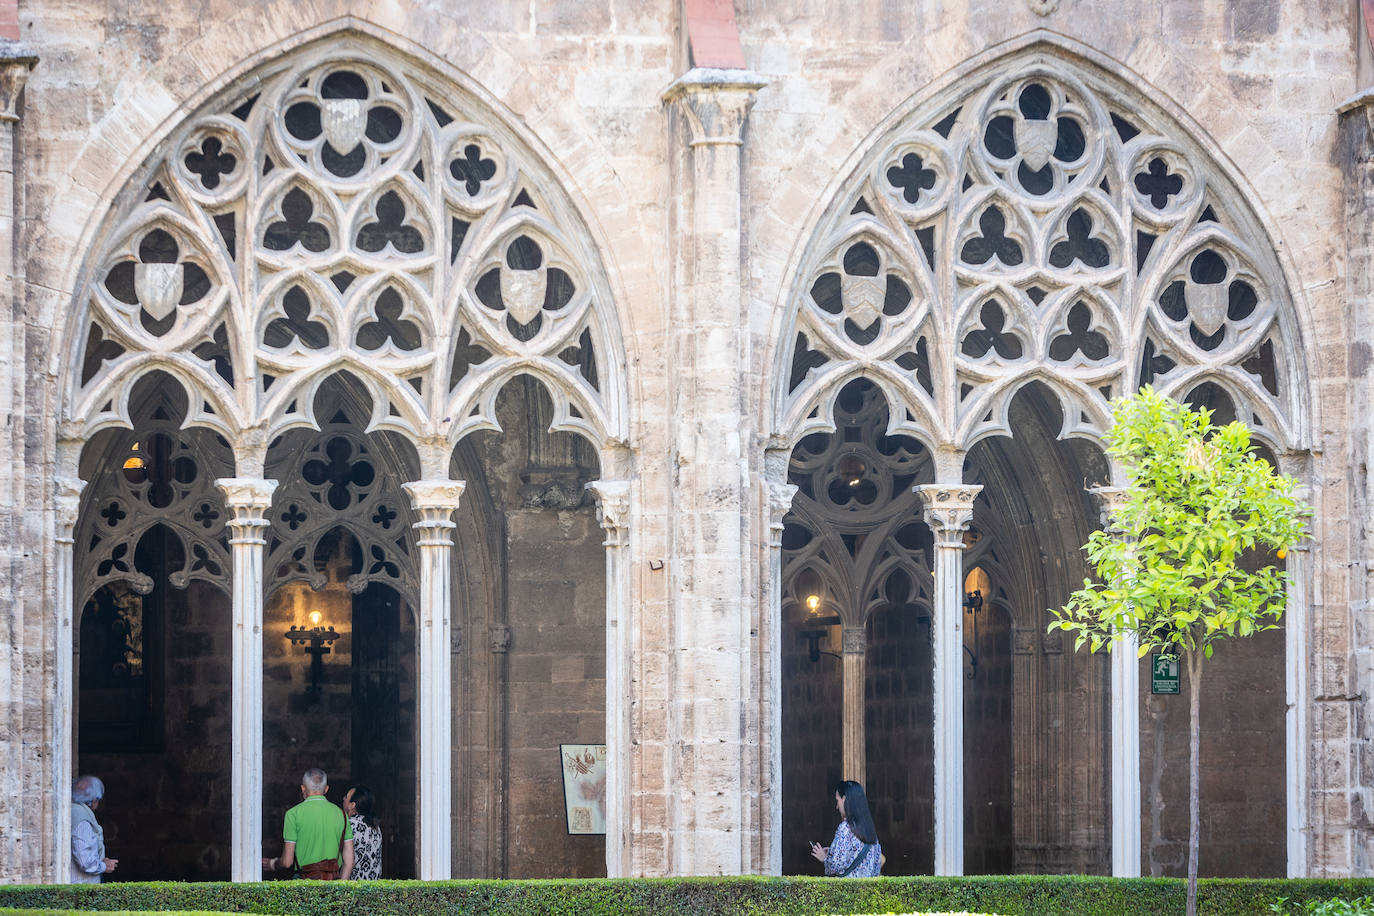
(1164, 671)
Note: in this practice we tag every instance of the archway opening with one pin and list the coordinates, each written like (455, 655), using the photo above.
(530, 679)
(339, 640)
(1037, 739)
(1242, 762)
(152, 649)
(856, 666)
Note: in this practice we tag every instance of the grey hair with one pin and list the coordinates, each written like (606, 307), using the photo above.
(315, 779)
(86, 789)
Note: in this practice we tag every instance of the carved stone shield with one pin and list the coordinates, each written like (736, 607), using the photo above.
(863, 297)
(1207, 305)
(158, 287)
(1036, 141)
(522, 292)
(343, 122)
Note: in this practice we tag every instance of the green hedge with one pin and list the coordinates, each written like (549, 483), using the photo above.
(6, 912)
(760, 896)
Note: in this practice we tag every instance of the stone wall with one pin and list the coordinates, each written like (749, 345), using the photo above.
(1242, 788)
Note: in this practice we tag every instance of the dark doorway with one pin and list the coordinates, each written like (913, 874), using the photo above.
(383, 749)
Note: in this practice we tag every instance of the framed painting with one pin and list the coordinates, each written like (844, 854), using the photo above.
(584, 787)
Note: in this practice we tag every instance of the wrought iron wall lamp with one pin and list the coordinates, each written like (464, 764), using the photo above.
(318, 638)
(818, 628)
(973, 603)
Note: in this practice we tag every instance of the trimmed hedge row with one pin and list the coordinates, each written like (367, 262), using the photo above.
(7, 912)
(1020, 895)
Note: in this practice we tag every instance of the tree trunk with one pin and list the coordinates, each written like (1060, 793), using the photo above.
(1194, 748)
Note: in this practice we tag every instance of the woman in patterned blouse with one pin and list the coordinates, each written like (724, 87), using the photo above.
(855, 852)
(367, 837)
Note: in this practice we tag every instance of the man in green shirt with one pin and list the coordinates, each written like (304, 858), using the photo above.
(316, 834)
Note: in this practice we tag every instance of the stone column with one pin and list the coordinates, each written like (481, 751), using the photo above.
(1125, 726)
(777, 503)
(948, 512)
(855, 645)
(1296, 623)
(66, 511)
(435, 502)
(247, 499)
(34, 700)
(1340, 675)
(613, 503)
(711, 584)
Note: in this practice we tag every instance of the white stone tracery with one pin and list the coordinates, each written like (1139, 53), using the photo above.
(341, 211)
(1039, 226)
(431, 258)
(1037, 222)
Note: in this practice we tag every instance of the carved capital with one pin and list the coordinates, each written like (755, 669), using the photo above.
(854, 640)
(67, 505)
(780, 497)
(15, 64)
(613, 508)
(435, 501)
(1110, 501)
(715, 102)
(248, 499)
(948, 510)
(498, 636)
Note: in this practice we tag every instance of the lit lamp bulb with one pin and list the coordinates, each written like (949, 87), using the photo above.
(813, 603)
(315, 618)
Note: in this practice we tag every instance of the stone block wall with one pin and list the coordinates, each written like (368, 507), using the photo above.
(1242, 792)
(557, 684)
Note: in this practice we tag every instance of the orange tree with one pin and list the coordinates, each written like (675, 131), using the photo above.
(1197, 502)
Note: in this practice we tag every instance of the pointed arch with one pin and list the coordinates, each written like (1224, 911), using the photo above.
(1044, 179)
(387, 194)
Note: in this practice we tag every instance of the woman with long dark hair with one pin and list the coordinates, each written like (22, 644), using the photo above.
(855, 851)
(367, 836)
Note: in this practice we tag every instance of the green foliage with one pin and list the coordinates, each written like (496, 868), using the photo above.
(1363, 906)
(1014, 895)
(5, 912)
(1197, 504)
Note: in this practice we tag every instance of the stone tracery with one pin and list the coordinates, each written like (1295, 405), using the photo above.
(347, 212)
(1038, 227)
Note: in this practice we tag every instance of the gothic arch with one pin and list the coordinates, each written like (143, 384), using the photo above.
(344, 208)
(1038, 218)
(434, 259)
(1037, 222)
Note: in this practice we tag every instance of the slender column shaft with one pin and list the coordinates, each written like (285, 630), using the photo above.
(68, 504)
(435, 502)
(1125, 757)
(855, 645)
(948, 511)
(1295, 628)
(1125, 726)
(247, 499)
(613, 499)
(777, 504)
